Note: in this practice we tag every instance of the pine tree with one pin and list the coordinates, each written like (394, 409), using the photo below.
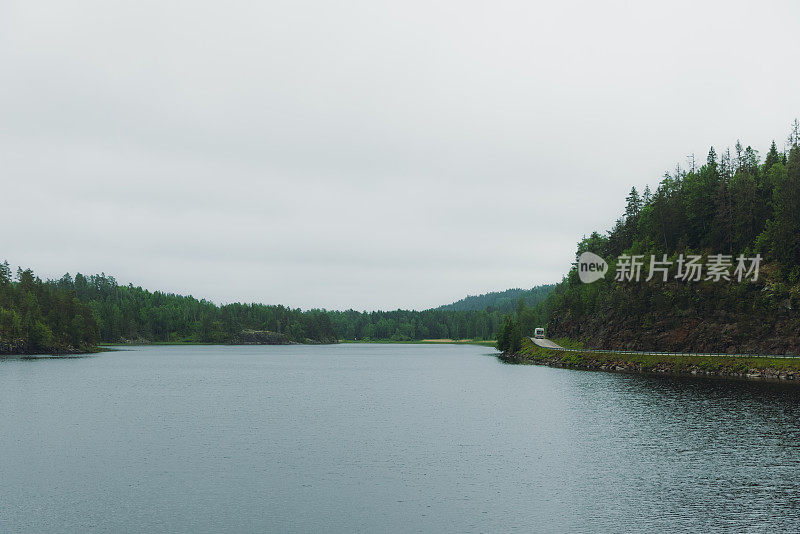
(773, 157)
(785, 231)
(794, 135)
(509, 337)
(739, 154)
(5, 273)
(647, 196)
(711, 159)
(723, 216)
(634, 204)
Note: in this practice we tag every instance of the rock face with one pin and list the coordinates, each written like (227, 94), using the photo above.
(17, 347)
(716, 330)
(261, 337)
(12, 347)
(267, 337)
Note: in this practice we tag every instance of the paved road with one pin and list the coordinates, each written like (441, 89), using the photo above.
(546, 343)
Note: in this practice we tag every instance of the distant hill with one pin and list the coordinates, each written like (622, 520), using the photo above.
(503, 301)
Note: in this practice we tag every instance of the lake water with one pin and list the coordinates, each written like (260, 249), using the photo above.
(398, 438)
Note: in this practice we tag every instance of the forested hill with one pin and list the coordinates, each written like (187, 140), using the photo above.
(75, 313)
(504, 301)
(736, 204)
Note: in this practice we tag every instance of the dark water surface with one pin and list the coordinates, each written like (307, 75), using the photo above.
(375, 438)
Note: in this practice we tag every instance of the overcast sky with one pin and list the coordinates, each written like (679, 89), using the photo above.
(362, 154)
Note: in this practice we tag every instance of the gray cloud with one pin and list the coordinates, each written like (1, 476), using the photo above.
(364, 154)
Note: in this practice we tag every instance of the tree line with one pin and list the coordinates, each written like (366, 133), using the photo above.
(75, 313)
(37, 316)
(133, 314)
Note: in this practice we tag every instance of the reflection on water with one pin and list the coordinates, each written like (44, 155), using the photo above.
(386, 437)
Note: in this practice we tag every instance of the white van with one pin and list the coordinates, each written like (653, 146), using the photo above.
(538, 333)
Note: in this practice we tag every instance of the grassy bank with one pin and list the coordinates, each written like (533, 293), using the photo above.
(482, 342)
(751, 367)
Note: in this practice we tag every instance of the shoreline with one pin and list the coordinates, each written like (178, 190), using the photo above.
(111, 347)
(19, 348)
(785, 370)
(480, 342)
(485, 343)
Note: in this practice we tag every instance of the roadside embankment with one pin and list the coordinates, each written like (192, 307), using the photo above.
(758, 368)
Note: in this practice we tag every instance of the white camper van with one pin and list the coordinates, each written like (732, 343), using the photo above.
(538, 333)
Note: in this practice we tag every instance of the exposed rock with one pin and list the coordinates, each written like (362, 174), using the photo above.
(18, 347)
(587, 361)
(719, 332)
(261, 337)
